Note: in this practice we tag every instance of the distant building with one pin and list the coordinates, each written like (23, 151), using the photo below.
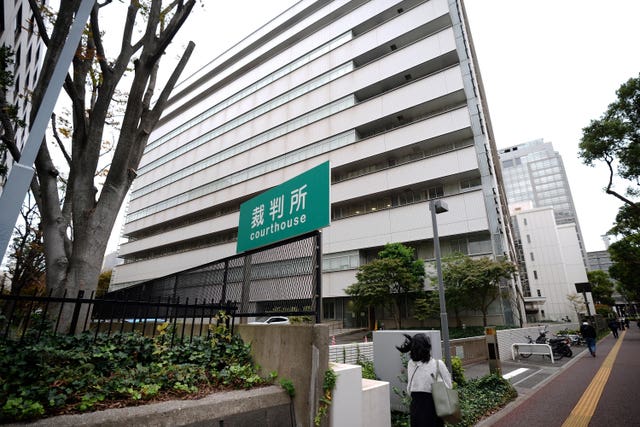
(110, 261)
(387, 91)
(599, 260)
(20, 33)
(534, 171)
(550, 261)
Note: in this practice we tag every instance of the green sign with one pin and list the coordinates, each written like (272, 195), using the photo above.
(295, 207)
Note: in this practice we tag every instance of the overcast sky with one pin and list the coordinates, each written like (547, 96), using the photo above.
(548, 67)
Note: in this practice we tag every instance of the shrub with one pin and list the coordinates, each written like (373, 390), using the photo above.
(368, 369)
(457, 373)
(66, 374)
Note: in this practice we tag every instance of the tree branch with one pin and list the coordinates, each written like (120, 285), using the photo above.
(171, 30)
(58, 140)
(97, 39)
(155, 113)
(8, 136)
(42, 29)
(608, 190)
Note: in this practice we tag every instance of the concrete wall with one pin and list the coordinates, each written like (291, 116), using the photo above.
(388, 361)
(299, 353)
(266, 406)
(376, 407)
(358, 402)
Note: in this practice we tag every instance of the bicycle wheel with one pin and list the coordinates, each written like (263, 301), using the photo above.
(568, 352)
(557, 355)
(525, 355)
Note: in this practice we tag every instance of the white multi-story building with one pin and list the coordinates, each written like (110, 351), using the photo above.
(552, 264)
(19, 33)
(387, 91)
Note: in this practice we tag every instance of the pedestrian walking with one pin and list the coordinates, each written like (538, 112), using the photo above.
(613, 325)
(421, 374)
(589, 334)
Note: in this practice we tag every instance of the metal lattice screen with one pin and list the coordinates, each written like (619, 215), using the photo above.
(283, 278)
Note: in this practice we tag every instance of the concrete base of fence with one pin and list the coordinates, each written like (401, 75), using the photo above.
(267, 406)
(299, 353)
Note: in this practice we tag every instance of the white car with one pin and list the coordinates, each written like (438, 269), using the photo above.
(272, 320)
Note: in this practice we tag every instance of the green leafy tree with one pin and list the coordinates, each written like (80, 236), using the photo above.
(625, 256)
(614, 139)
(78, 216)
(426, 306)
(601, 287)
(453, 276)
(389, 280)
(478, 280)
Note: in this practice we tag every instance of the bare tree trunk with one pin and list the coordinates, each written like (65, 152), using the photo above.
(77, 226)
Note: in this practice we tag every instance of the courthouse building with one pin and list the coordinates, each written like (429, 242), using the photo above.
(388, 92)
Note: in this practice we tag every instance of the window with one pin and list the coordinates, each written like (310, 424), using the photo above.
(535, 274)
(539, 293)
(435, 192)
(470, 183)
(19, 20)
(341, 261)
(528, 238)
(329, 309)
(532, 257)
(524, 220)
(542, 313)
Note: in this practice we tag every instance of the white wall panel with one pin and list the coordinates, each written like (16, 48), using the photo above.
(189, 232)
(404, 97)
(407, 174)
(334, 283)
(447, 82)
(408, 223)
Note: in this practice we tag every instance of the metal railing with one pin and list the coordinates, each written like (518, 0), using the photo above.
(33, 316)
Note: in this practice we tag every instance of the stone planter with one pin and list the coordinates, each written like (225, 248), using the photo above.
(266, 406)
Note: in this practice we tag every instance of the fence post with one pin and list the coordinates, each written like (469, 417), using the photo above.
(76, 313)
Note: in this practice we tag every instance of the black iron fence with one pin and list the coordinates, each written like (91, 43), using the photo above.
(35, 315)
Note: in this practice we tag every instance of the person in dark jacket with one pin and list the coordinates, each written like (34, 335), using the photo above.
(589, 334)
(613, 325)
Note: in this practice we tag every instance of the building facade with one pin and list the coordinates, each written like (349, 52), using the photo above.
(20, 34)
(551, 264)
(534, 171)
(387, 91)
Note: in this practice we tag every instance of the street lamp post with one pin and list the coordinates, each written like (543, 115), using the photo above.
(437, 207)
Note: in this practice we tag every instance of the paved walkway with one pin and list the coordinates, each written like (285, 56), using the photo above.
(577, 392)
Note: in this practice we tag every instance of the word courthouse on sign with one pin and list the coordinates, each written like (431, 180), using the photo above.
(294, 207)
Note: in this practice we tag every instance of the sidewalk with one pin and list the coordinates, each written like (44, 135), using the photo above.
(578, 391)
